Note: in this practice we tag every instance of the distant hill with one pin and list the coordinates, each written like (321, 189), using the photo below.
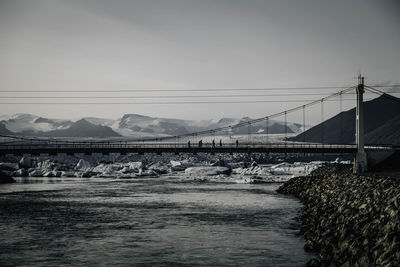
(381, 124)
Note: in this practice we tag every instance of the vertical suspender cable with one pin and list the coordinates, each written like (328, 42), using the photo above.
(322, 121)
(304, 123)
(267, 130)
(285, 128)
(248, 132)
(341, 141)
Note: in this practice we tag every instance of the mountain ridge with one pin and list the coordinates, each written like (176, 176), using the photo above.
(131, 125)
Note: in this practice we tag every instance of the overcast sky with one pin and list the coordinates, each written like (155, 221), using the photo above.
(190, 44)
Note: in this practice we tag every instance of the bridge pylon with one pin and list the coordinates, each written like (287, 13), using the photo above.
(360, 160)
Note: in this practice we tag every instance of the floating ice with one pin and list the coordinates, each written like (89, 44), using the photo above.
(207, 171)
(82, 165)
(25, 162)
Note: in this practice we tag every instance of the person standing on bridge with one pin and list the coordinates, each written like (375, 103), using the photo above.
(200, 143)
(189, 144)
(237, 143)
(213, 143)
(220, 142)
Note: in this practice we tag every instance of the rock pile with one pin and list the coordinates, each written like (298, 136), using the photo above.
(349, 220)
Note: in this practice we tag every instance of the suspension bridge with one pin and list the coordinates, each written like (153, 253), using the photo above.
(210, 141)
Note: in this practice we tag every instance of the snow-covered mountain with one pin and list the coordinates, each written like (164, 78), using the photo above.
(130, 125)
(21, 122)
(82, 128)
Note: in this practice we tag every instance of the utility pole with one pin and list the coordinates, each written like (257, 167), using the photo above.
(360, 161)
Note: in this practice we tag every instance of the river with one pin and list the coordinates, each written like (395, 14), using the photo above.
(165, 221)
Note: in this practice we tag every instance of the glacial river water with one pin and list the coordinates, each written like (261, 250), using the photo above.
(163, 221)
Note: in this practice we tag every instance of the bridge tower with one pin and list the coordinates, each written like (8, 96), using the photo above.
(360, 160)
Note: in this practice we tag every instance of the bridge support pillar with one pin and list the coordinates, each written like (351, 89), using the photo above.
(360, 161)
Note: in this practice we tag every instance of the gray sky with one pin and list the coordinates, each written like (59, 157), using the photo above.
(188, 44)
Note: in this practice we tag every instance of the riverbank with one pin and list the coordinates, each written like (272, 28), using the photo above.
(349, 220)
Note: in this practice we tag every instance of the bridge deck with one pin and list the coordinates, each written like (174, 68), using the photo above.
(141, 148)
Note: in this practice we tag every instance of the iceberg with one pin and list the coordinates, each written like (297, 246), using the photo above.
(207, 171)
(82, 165)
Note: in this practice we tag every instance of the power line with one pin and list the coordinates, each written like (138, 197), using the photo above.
(237, 125)
(161, 96)
(191, 90)
(168, 103)
(177, 90)
(240, 124)
(386, 86)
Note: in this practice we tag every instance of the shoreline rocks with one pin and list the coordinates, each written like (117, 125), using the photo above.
(349, 220)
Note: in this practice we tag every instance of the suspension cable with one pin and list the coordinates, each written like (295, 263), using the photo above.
(224, 128)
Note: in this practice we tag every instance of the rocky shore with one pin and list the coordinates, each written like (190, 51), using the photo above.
(349, 220)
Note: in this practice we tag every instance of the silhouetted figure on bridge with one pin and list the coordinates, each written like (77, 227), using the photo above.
(213, 143)
(200, 143)
(237, 143)
(220, 142)
(189, 144)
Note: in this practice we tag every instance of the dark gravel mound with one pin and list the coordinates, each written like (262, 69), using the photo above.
(349, 220)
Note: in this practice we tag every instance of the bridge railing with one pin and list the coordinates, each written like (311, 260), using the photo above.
(174, 145)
